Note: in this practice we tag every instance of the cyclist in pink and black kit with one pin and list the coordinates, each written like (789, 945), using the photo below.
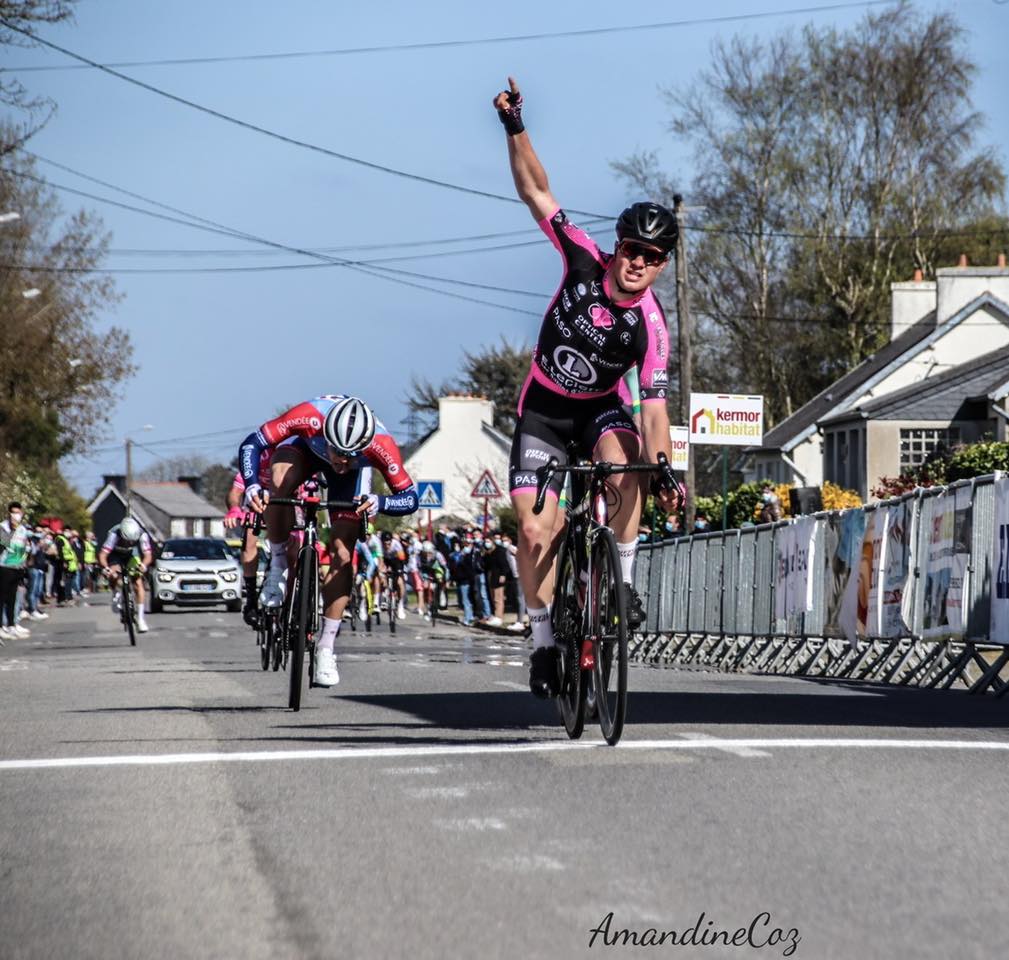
(340, 437)
(603, 321)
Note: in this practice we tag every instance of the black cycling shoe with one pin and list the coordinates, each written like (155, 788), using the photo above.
(544, 672)
(250, 614)
(635, 608)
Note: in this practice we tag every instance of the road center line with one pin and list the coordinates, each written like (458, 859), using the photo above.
(736, 751)
(487, 749)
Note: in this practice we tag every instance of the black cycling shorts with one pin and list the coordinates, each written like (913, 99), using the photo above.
(548, 422)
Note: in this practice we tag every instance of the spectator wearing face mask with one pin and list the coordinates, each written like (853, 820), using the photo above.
(14, 549)
(770, 512)
(464, 574)
(701, 523)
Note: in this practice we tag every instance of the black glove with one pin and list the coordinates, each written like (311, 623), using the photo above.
(511, 116)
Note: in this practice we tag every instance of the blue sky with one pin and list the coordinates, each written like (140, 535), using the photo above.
(222, 352)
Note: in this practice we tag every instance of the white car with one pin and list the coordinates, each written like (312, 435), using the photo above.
(195, 571)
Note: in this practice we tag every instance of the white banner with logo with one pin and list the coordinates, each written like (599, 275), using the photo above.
(939, 568)
(729, 419)
(679, 437)
(1000, 564)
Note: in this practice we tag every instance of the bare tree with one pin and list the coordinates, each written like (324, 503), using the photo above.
(34, 111)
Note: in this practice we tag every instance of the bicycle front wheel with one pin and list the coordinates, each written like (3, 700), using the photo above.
(566, 615)
(305, 609)
(608, 625)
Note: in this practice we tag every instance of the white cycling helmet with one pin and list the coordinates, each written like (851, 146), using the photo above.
(349, 426)
(428, 547)
(129, 530)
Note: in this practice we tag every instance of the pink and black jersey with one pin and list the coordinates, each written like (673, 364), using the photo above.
(305, 421)
(589, 340)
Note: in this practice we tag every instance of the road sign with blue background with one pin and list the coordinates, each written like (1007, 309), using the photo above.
(431, 494)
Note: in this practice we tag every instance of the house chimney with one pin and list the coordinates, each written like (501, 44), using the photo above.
(195, 483)
(963, 260)
(1001, 261)
(118, 480)
(918, 277)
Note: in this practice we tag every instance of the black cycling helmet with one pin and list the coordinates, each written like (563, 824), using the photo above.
(386, 536)
(650, 223)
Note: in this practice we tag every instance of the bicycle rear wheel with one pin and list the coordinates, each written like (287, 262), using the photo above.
(393, 594)
(129, 609)
(305, 610)
(567, 623)
(608, 624)
(263, 638)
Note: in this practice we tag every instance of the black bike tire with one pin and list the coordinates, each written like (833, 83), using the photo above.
(129, 608)
(611, 705)
(302, 627)
(393, 607)
(568, 636)
(355, 601)
(276, 642)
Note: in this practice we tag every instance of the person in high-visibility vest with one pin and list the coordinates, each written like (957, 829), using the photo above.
(69, 567)
(90, 561)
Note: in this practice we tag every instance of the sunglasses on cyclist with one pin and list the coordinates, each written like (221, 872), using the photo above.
(631, 249)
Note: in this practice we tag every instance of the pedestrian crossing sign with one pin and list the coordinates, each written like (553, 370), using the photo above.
(486, 486)
(432, 494)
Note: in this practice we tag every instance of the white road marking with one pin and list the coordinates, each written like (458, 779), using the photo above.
(14, 665)
(512, 685)
(479, 824)
(488, 749)
(397, 771)
(736, 751)
(526, 863)
(442, 793)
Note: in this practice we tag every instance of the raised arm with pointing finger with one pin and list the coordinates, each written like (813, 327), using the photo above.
(530, 178)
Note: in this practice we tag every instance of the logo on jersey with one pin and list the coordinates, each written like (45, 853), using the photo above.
(574, 365)
(601, 317)
(523, 480)
(660, 378)
(625, 338)
(393, 469)
(631, 317)
(580, 291)
(566, 300)
(534, 454)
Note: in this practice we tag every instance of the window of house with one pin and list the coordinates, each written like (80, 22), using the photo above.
(918, 443)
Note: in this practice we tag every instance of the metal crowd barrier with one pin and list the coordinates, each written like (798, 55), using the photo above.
(730, 600)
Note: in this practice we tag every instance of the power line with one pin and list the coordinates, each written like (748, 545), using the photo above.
(441, 44)
(246, 125)
(201, 223)
(371, 246)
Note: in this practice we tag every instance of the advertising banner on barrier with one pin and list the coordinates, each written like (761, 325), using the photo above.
(1000, 564)
(894, 621)
(937, 621)
(859, 616)
(842, 550)
(793, 587)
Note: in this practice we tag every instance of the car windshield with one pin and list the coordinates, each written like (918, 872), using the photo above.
(194, 549)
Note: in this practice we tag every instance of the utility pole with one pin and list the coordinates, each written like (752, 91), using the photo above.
(129, 475)
(685, 351)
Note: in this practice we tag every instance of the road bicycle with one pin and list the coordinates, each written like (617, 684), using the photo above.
(299, 614)
(128, 606)
(589, 612)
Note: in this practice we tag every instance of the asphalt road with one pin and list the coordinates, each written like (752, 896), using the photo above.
(162, 802)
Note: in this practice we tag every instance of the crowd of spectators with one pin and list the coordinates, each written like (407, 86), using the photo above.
(481, 570)
(45, 564)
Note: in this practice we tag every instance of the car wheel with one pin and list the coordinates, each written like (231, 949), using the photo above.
(234, 606)
(156, 605)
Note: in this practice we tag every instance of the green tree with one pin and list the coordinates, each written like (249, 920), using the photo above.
(59, 373)
(496, 373)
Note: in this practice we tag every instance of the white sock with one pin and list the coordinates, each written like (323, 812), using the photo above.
(543, 629)
(278, 557)
(627, 553)
(330, 631)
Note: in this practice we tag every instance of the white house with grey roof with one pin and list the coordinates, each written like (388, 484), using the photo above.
(937, 326)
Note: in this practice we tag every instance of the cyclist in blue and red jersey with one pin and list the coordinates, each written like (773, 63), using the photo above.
(604, 320)
(339, 436)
